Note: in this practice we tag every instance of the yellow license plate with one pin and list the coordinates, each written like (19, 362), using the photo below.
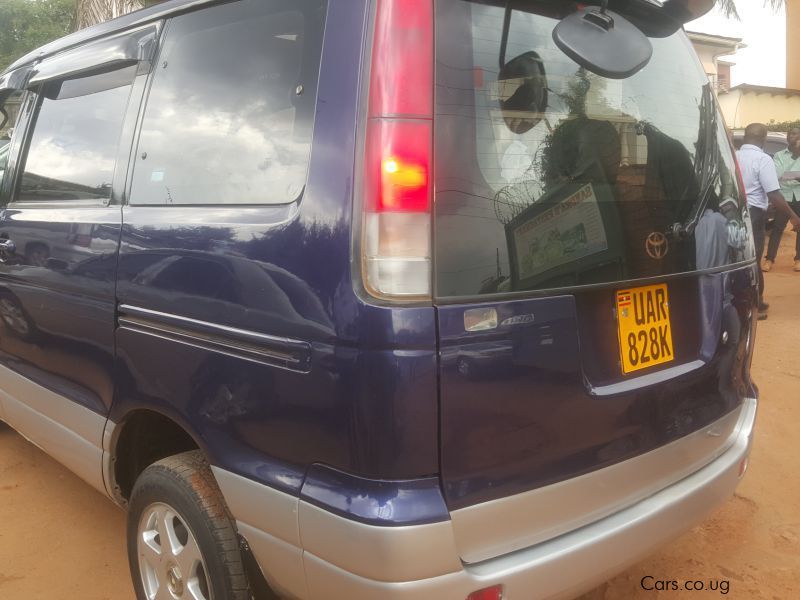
(645, 334)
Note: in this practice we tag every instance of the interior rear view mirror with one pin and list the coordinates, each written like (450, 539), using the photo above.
(603, 42)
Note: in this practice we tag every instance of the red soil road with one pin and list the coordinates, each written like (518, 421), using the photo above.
(59, 539)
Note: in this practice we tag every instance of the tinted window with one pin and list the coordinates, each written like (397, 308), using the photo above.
(229, 116)
(73, 148)
(549, 176)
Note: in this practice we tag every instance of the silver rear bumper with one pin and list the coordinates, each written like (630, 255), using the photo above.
(335, 557)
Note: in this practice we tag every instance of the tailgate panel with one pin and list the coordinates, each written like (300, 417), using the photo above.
(545, 400)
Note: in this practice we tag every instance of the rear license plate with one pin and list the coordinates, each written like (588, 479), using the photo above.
(643, 325)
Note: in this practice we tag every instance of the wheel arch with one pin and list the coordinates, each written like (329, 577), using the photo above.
(143, 437)
(130, 454)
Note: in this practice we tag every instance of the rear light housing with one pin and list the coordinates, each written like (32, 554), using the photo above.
(398, 190)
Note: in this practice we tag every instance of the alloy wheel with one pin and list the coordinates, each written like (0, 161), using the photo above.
(170, 562)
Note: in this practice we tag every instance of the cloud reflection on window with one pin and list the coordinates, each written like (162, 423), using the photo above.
(230, 126)
(73, 148)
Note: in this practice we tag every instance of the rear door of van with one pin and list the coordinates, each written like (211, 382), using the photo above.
(59, 242)
(593, 277)
(215, 317)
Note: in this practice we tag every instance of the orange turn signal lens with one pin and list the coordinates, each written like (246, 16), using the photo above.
(403, 175)
(398, 166)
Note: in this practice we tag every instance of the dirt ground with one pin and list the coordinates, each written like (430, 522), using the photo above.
(59, 539)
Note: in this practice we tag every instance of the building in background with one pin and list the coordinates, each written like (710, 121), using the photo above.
(746, 103)
(723, 75)
(709, 49)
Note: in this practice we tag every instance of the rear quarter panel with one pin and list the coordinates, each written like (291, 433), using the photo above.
(361, 395)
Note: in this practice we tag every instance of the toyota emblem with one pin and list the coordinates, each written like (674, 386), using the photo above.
(656, 245)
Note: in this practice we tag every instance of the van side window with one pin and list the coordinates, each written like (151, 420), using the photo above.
(229, 116)
(73, 148)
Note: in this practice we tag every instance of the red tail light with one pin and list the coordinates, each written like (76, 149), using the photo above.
(491, 593)
(399, 147)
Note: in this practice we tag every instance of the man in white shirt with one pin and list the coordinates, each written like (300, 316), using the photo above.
(762, 187)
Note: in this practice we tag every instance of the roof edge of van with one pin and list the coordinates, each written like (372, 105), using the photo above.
(121, 23)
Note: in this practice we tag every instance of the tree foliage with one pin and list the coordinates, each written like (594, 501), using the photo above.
(728, 7)
(91, 12)
(27, 24)
(783, 125)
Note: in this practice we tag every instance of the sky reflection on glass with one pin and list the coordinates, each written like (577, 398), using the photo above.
(223, 123)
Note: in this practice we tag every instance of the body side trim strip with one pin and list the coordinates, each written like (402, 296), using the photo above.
(205, 326)
(276, 351)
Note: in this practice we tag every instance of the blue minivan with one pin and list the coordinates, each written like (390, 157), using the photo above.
(379, 298)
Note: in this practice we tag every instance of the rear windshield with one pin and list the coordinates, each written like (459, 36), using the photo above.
(549, 176)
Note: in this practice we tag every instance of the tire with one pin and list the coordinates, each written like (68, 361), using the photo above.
(178, 497)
